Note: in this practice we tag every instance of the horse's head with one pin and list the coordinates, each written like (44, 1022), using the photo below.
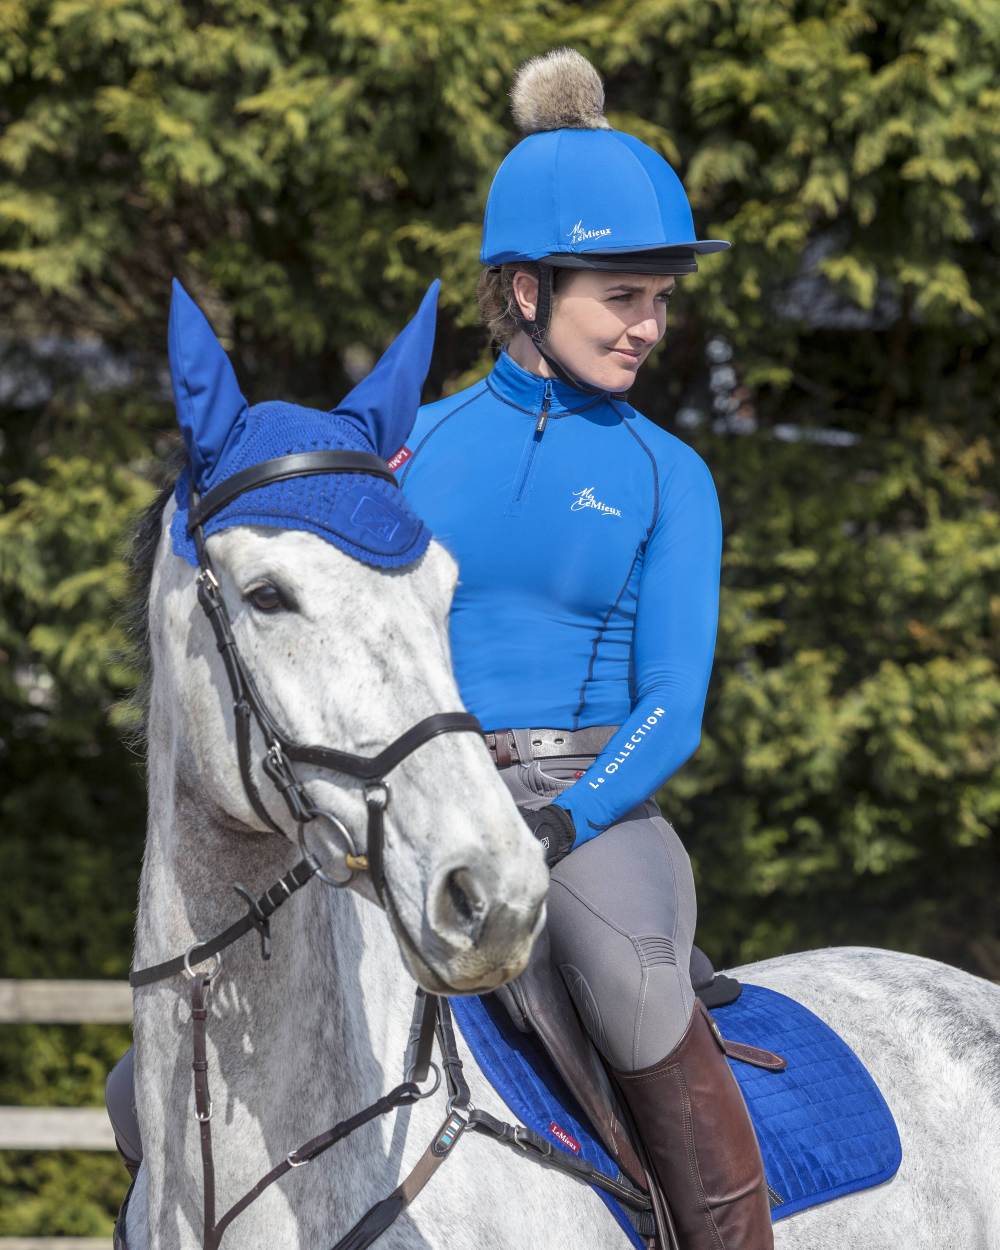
(336, 600)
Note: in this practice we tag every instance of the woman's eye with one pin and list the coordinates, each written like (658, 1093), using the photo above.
(265, 598)
(620, 299)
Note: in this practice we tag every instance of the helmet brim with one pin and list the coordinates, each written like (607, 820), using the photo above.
(676, 259)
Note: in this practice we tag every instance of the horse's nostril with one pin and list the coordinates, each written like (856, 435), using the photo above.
(468, 901)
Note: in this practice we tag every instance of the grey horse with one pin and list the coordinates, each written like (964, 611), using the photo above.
(356, 655)
(318, 1032)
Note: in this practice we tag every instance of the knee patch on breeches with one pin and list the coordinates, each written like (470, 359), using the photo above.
(633, 998)
(634, 1020)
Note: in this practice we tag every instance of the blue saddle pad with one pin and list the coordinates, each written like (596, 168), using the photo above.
(521, 1072)
(824, 1128)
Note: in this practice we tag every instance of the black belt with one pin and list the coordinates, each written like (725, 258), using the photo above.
(520, 746)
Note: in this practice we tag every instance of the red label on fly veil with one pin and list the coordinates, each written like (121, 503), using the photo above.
(399, 458)
(560, 1134)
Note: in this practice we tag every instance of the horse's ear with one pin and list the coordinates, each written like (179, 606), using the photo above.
(385, 402)
(210, 405)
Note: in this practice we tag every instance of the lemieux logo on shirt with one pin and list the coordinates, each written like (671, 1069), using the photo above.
(584, 499)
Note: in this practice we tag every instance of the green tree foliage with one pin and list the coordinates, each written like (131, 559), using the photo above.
(65, 1192)
(306, 170)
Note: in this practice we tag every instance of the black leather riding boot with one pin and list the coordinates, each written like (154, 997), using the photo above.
(695, 1126)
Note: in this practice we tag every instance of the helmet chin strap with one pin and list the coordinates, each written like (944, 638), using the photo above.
(537, 328)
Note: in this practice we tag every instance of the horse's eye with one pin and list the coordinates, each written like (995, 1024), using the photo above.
(265, 598)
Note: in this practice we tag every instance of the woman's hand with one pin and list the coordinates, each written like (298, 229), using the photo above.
(553, 827)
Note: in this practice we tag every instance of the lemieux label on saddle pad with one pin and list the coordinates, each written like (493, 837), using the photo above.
(561, 1135)
(399, 459)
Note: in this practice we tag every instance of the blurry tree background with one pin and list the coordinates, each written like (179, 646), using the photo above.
(306, 169)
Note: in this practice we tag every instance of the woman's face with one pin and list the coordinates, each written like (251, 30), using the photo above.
(603, 325)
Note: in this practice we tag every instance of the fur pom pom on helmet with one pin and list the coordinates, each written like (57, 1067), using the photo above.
(577, 194)
(560, 90)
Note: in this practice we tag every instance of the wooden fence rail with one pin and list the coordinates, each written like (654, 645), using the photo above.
(65, 1002)
(55, 1128)
(55, 1243)
(60, 1128)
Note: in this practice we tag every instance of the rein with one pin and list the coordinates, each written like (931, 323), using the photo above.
(432, 1014)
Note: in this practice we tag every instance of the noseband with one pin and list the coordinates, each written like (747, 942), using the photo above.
(280, 752)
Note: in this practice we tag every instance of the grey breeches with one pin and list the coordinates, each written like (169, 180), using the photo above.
(621, 920)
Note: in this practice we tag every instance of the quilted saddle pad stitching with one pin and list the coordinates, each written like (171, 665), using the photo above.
(825, 1129)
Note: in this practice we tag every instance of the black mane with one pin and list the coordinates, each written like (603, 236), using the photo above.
(142, 545)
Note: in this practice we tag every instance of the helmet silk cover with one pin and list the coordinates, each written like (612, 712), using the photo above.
(365, 516)
(586, 192)
(575, 190)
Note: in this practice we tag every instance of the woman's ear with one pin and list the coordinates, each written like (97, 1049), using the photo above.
(525, 288)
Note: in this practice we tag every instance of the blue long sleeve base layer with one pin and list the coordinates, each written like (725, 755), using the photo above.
(589, 544)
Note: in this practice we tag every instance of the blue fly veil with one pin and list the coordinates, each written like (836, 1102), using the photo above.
(363, 515)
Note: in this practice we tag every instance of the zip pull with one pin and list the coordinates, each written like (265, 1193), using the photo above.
(543, 416)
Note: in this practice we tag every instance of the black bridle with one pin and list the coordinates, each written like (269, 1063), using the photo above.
(280, 751)
(248, 704)
(432, 1016)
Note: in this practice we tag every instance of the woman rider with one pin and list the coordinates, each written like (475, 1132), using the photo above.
(583, 627)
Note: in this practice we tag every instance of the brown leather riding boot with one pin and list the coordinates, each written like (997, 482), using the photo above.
(695, 1126)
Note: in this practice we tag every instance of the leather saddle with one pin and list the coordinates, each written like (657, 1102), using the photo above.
(538, 1002)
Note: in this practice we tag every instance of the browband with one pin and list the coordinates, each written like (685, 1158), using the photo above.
(300, 464)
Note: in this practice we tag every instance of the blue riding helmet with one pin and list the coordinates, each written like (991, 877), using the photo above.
(576, 194)
(591, 199)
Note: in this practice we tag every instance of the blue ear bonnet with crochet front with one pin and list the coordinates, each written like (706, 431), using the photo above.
(365, 516)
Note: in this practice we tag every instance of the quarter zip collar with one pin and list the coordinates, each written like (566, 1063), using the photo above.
(528, 392)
